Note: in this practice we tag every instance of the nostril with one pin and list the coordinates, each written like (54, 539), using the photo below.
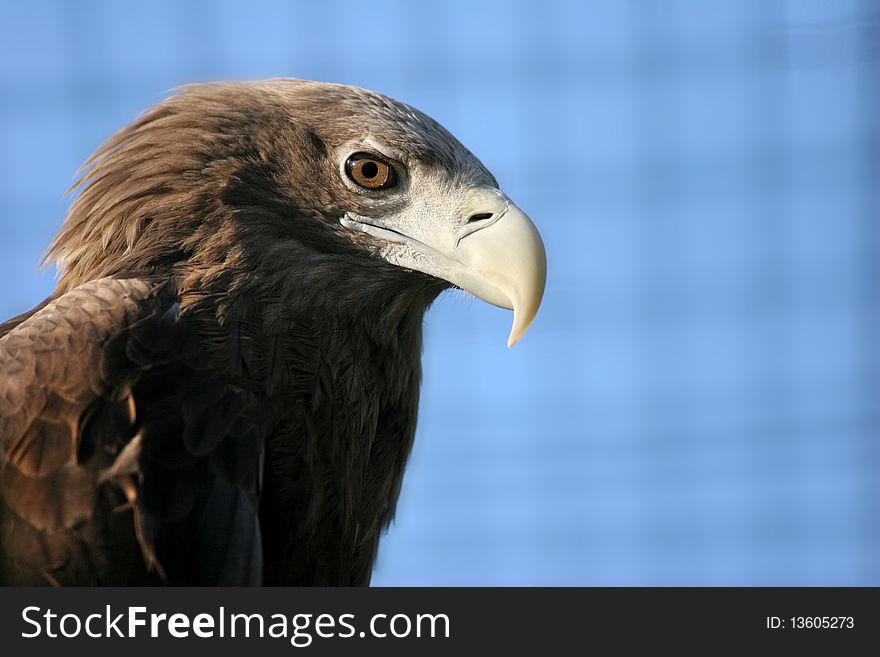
(480, 217)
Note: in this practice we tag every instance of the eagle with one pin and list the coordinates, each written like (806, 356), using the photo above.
(223, 387)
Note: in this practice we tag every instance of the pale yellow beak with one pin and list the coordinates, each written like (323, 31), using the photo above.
(505, 264)
(495, 252)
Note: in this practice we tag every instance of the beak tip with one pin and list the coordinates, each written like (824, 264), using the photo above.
(516, 331)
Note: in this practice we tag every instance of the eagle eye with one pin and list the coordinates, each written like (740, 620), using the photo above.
(370, 171)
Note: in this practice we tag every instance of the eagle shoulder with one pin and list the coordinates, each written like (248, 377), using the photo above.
(124, 457)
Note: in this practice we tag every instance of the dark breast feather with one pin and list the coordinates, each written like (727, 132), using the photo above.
(145, 441)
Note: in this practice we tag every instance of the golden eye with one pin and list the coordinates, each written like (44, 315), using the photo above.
(370, 172)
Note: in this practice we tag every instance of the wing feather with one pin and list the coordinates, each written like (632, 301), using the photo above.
(124, 456)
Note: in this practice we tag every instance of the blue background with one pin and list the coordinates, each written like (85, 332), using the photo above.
(697, 402)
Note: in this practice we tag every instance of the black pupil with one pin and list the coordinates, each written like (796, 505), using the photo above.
(369, 170)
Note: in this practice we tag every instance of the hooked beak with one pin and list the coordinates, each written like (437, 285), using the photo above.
(497, 254)
(504, 263)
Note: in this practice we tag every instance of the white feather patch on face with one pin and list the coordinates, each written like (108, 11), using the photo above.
(426, 205)
(372, 144)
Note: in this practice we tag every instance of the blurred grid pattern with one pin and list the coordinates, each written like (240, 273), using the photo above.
(697, 402)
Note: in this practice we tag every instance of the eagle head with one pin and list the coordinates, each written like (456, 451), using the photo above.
(226, 176)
